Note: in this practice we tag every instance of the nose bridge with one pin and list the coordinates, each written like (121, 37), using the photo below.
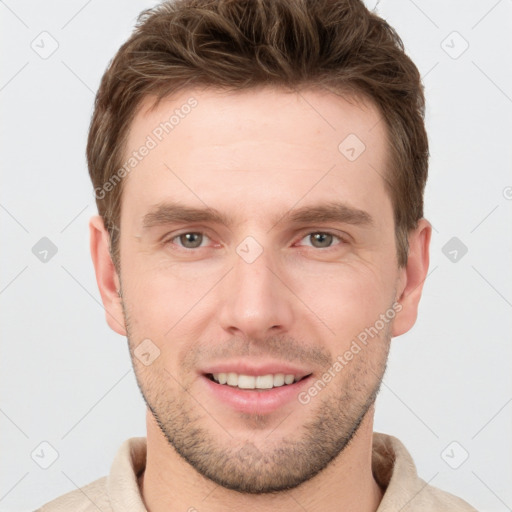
(254, 298)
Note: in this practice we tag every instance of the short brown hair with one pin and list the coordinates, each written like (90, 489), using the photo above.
(241, 44)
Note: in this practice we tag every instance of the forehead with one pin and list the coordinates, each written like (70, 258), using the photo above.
(261, 145)
(228, 116)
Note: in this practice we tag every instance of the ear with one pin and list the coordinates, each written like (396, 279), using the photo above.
(412, 277)
(106, 275)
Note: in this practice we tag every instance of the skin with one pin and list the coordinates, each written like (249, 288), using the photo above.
(258, 155)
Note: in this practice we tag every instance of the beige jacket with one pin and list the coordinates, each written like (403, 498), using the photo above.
(392, 466)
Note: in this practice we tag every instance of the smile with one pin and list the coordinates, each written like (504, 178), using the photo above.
(242, 381)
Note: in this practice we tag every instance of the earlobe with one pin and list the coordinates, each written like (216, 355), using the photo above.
(412, 278)
(106, 274)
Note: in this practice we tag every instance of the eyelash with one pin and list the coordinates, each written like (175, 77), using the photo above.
(304, 235)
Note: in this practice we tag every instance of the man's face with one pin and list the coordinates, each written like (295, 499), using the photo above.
(266, 290)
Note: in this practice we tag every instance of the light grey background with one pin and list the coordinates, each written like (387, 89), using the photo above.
(66, 379)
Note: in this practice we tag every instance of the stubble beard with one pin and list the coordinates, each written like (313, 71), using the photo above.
(277, 463)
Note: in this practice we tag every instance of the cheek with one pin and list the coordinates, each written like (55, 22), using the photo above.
(348, 298)
(163, 303)
(160, 292)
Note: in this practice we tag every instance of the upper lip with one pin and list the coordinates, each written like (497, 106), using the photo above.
(252, 368)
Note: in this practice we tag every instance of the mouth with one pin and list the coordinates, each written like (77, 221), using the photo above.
(255, 382)
(254, 390)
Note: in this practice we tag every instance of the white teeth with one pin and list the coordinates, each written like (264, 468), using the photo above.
(255, 382)
(263, 382)
(278, 379)
(288, 379)
(246, 382)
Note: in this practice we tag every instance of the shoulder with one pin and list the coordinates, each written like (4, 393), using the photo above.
(395, 471)
(120, 487)
(433, 499)
(91, 497)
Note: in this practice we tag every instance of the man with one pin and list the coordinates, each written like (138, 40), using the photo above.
(259, 169)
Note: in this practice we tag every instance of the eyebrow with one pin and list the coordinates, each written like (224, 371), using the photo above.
(168, 213)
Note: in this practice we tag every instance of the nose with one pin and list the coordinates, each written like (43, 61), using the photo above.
(255, 300)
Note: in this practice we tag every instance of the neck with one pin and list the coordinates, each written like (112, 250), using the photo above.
(169, 483)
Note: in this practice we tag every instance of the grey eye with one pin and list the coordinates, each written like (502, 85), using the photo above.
(321, 240)
(190, 240)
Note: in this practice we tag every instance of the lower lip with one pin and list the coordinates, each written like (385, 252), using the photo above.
(254, 401)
